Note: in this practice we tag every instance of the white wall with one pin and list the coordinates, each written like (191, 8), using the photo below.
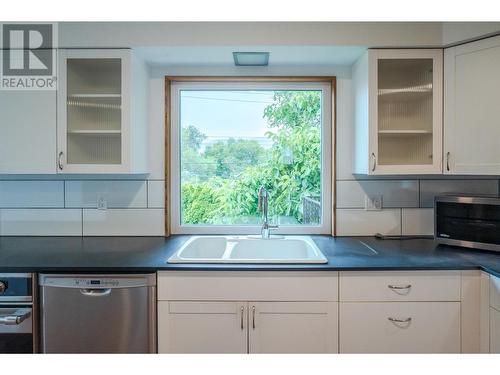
(191, 34)
(65, 205)
(407, 202)
(134, 34)
(456, 32)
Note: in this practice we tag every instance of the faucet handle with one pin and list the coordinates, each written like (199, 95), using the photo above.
(262, 194)
(265, 231)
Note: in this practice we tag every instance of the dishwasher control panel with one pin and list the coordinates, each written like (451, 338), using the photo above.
(97, 281)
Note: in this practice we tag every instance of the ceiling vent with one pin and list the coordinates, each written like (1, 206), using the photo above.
(251, 58)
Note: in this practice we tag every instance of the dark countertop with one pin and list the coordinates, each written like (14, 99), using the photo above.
(149, 254)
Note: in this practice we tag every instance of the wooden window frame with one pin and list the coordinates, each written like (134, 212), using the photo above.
(247, 79)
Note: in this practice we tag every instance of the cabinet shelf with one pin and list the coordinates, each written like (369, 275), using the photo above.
(402, 96)
(404, 132)
(95, 132)
(74, 96)
(417, 89)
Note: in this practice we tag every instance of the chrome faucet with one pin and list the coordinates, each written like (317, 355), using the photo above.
(265, 231)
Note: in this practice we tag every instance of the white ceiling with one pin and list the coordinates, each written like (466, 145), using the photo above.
(222, 56)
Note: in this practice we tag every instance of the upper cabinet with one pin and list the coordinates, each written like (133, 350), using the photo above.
(96, 121)
(472, 108)
(102, 112)
(27, 132)
(398, 112)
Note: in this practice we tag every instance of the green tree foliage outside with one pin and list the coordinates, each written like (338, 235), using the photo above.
(220, 183)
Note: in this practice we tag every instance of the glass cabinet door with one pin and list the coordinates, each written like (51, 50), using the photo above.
(408, 107)
(93, 110)
(405, 111)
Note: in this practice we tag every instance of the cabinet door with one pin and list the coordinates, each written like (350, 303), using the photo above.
(399, 327)
(472, 108)
(495, 292)
(28, 132)
(93, 111)
(405, 91)
(293, 327)
(202, 327)
(494, 331)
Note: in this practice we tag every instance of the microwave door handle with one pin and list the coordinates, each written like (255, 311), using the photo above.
(476, 224)
(15, 318)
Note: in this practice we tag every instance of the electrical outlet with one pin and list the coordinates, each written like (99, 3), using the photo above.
(102, 204)
(373, 202)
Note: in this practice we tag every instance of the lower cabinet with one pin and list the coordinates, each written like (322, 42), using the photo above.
(315, 312)
(494, 294)
(247, 312)
(399, 327)
(202, 327)
(494, 330)
(247, 327)
(293, 327)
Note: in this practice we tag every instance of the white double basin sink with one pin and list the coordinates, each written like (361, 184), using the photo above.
(249, 249)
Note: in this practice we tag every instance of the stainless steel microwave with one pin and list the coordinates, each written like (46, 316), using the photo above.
(468, 221)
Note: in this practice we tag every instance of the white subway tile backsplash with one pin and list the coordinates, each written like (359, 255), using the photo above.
(124, 222)
(117, 194)
(156, 194)
(31, 194)
(430, 188)
(395, 193)
(137, 207)
(417, 221)
(40, 222)
(358, 222)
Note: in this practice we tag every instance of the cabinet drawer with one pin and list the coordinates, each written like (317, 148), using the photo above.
(495, 292)
(365, 327)
(248, 286)
(400, 286)
(494, 331)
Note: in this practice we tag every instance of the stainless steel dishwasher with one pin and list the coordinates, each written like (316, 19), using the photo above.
(98, 313)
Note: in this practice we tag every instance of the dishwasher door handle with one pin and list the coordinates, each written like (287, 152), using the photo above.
(95, 292)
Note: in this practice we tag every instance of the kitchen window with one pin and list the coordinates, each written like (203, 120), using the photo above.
(229, 138)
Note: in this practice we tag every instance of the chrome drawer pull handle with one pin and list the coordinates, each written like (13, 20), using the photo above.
(399, 286)
(16, 318)
(407, 320)
(374, 162)
(241, 322)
